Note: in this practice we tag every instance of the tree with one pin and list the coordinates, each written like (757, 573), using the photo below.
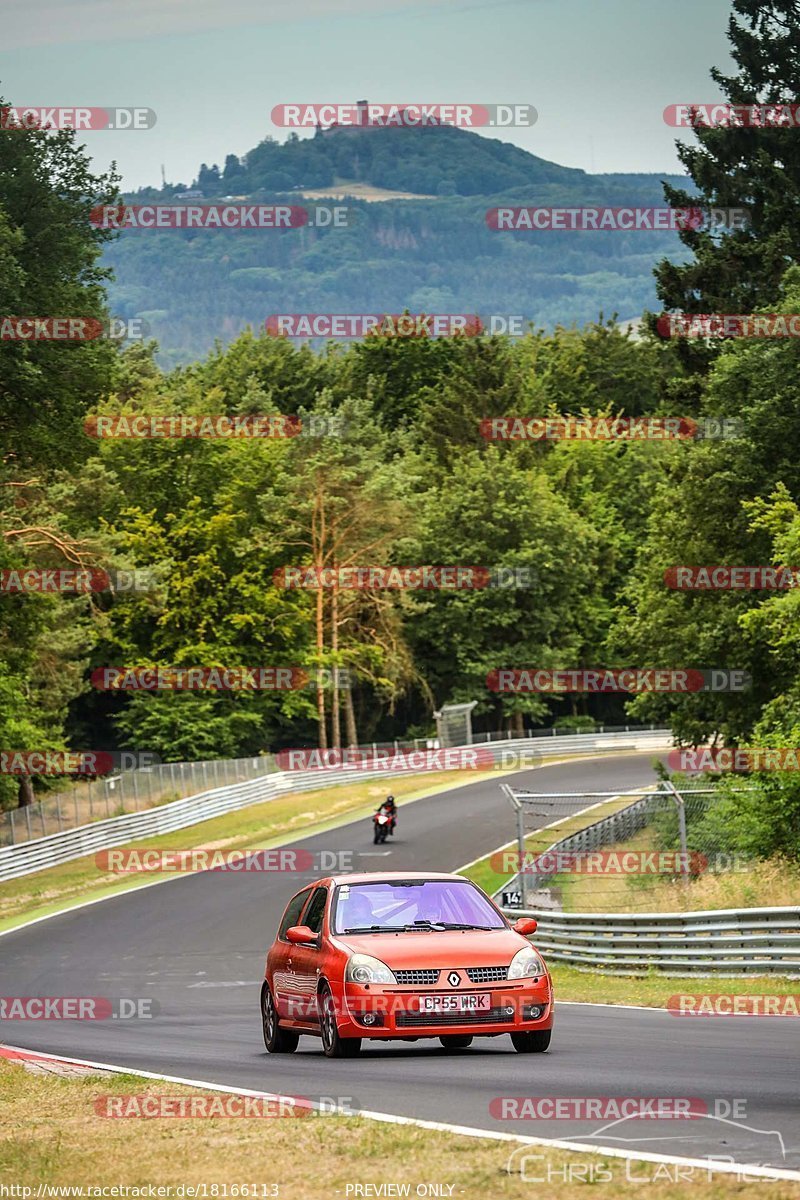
(753, 168)
(49, 267)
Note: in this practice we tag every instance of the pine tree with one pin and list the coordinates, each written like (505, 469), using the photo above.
(756, 168)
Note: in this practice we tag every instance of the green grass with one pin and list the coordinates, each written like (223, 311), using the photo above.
(653, 990)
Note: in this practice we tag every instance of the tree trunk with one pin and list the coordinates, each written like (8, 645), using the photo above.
(517, 726)
(321, 725)
(350, 718)
(26, 794)
(318, 534)
(336, 720)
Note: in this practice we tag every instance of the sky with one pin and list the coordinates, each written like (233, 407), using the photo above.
(598, 72)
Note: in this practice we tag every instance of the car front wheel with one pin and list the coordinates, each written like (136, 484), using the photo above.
(535, 1042)
(333, 1045)
(277, 1040)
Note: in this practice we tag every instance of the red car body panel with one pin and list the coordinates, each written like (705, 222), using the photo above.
(294, 974)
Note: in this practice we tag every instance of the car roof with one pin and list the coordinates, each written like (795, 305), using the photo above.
(388, 876)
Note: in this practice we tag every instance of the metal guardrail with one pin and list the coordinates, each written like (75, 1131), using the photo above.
(40, 853)
(750, 941)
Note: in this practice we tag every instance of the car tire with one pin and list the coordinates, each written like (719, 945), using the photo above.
(277, 1040)
(535, 1042)
(456, 1041)
(333, 1045)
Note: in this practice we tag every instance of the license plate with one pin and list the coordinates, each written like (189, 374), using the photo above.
(443, 1004)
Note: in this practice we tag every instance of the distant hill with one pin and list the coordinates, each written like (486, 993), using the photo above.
(432, 255)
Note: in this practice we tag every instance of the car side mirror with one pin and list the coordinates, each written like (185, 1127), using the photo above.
(525, 925)
(301, 935)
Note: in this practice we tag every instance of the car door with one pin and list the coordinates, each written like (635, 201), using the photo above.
(283, 990)
(306, 960)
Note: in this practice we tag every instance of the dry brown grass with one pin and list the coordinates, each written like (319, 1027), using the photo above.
(51, 1134)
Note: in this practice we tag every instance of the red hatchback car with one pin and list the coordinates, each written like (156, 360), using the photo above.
(402, 955)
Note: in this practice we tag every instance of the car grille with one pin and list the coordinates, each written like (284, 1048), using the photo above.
(423, 976)
(487, 974)
(489, 1016)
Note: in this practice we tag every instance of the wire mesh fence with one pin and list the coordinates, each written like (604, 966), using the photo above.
(603, 852)
(86, 800)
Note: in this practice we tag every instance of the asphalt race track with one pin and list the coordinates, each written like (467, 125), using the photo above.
(196, 944)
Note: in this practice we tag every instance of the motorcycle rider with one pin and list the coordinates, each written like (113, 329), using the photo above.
(389, 807)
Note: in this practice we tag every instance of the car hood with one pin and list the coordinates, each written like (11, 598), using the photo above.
(451, 948)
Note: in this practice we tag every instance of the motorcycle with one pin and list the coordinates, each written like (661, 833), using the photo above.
(382, 822)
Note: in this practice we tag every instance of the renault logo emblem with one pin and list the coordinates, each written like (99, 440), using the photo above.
(454, 979)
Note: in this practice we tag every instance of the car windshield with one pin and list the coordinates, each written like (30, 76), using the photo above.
(421, 903)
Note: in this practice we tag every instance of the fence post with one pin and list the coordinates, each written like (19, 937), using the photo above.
(28, 820)
(58, 811)
(678, 798)
(521, 851)
(13, 831)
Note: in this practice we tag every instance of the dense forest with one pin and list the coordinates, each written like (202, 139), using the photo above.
(391, 467)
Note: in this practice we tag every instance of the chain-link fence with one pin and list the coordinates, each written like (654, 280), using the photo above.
(88, 800)
(604, 852)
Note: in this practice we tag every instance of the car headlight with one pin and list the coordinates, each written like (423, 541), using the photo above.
(525, 963)
(363, 968)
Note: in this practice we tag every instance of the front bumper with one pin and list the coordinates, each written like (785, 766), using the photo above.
(394, 1011)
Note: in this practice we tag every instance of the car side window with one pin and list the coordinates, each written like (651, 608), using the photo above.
(293, 910)
(316, 910)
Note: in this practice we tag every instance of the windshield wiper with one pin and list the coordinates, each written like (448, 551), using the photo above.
(466, 925)
(372, 929)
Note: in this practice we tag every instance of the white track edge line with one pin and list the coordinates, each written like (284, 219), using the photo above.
(440, 1126)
